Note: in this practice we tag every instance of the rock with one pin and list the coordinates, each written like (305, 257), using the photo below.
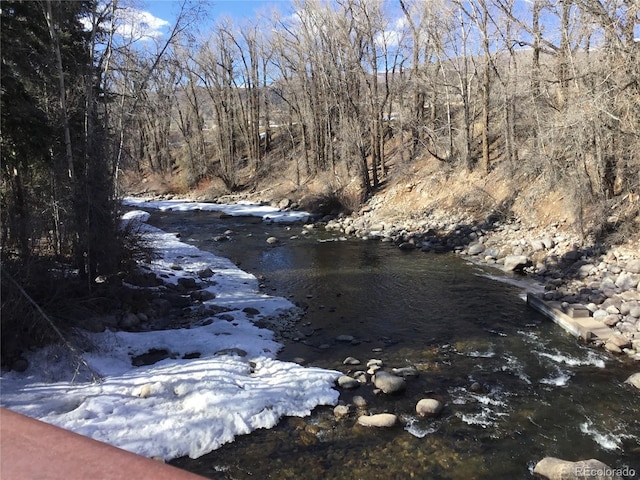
(633, 266)
(619, 341)
(406, 246)
(612, 347)
(406, 372)
(284, 203)
(383, 420)
(555, 469)
(232, 351)
(516, 262)
(476, 249)
(634, 380)
(202, 295)
(347, 382)
(20, 365)
(129, 321)
(627, 281)
(272, 240)
(251, 311)
(205, 273)
(344, 338)
(351, 361)
(360, 402)
(341, 411)
(428, 407)
(634, 312)
(537, 245)
(389, 383)
(188, 283)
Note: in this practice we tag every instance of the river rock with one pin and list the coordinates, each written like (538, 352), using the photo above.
(619, 340)
(351, 361)
(633, 266)
(341, 411)
(516, 262)
(360, 402)
(428, 407)
(627, 281)
(406, 372)
(203, 295)
(205, 273)
(612, 347)
(555, 469)
(347, 382)
(634, 380)
(129, 321)
(344, 338)
(476, 249)
(284, 203)
(383, 420)
(272, 240)
(388, 382)
(188, 283)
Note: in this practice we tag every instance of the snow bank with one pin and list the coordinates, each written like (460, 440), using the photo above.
(246, 209)
(178, 406)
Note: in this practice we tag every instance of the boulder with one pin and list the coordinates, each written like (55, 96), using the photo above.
(634, 380)
(555, 469)
(272, 240)
(383, 420)
(388, 382)
(428, 407)
(516, 262)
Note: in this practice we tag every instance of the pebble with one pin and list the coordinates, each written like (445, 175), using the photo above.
(351, 361)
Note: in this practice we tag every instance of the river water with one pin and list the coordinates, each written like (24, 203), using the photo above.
(516, 387)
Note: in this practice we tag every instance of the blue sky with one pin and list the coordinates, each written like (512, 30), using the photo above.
(237, 9)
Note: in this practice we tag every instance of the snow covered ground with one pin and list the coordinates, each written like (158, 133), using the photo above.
(266, 212)
(178, 406)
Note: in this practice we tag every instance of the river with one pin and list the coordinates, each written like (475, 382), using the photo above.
(516, 387)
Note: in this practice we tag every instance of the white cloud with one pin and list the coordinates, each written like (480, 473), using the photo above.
(139, 24)
(133, 24)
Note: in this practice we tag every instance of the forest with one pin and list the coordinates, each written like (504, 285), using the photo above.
(344, 92)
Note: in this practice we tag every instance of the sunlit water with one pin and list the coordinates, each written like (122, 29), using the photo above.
(542, 394)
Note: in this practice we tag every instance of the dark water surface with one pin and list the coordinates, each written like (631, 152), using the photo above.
(542, 394)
